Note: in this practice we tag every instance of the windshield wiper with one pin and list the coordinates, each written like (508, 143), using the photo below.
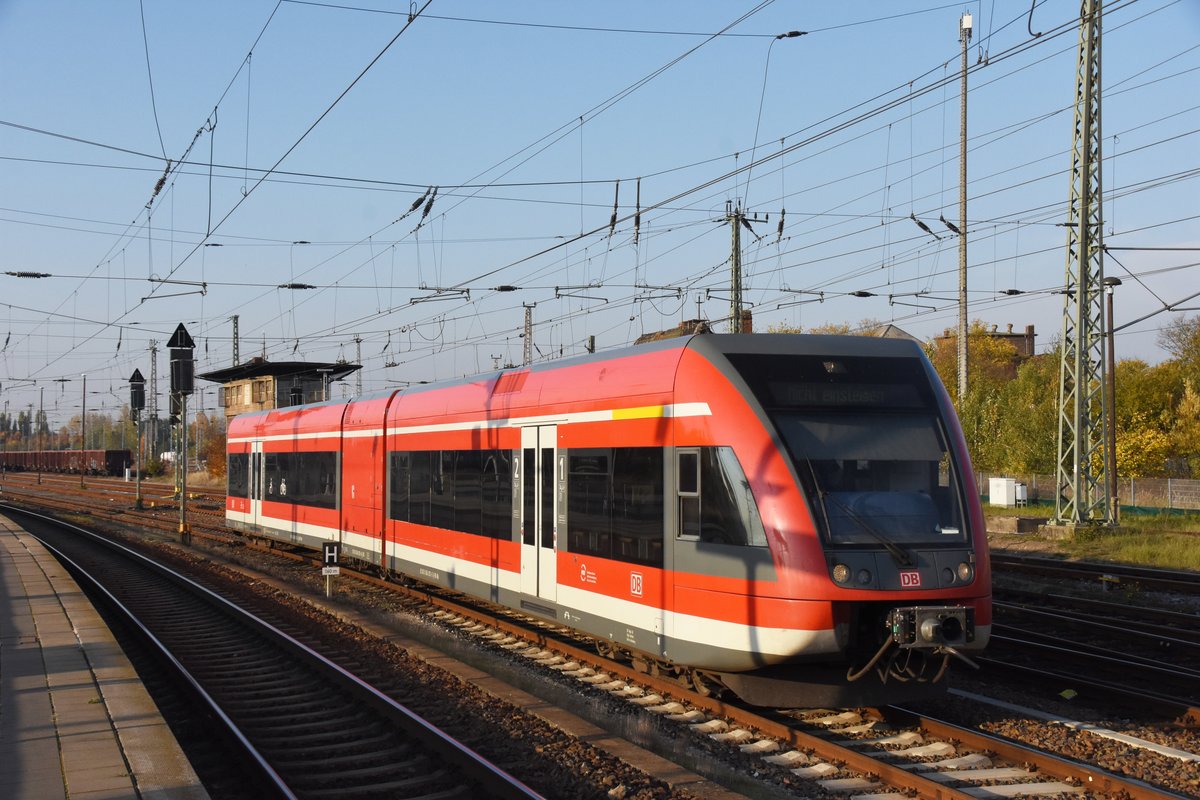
(901, 556)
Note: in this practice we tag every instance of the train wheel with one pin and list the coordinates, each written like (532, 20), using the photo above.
(705, 685)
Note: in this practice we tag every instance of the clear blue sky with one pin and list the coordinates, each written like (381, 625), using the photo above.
(525, 116)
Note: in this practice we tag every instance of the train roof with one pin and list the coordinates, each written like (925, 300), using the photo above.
(705, 344)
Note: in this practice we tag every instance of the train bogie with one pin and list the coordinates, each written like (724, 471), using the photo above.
(774, 511)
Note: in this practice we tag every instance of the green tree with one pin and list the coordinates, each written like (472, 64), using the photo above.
(992, 363)
(1028, 429)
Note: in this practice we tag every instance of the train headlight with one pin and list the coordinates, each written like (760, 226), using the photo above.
(864, 576)
(965, 571)
(947, 575)
(841, 573)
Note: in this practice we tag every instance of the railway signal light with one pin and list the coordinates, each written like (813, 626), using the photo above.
(137, 402)
(182, 365)
(137, 393)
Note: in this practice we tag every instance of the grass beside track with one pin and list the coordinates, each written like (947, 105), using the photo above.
(1170, 540)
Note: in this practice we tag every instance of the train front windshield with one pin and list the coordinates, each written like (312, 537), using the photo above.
(868, 445)
(876, 475)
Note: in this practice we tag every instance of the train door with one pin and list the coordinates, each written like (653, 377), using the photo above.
(256, 480)
(539, 575)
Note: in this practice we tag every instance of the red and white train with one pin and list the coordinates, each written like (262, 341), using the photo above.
(791, 517)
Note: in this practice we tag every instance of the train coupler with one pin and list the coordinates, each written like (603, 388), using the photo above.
(932, 627)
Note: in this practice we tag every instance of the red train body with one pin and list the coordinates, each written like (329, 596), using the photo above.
(765, 512)
(90, 462)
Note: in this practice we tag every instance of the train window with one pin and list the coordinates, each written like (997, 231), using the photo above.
(271, 475)
(469, 491)
(238, 473)
(398, 485)
(638, 505)
(528, 497)
(814, 381)
(728, 514)
(589, 502)
(689, 472)
(468, 503)
(547, 497)
(306, 479)
(877, 476)
(441, 489)
(419, 481)
(688, 479)
(496, 490)
(615, 503)
(715, 501)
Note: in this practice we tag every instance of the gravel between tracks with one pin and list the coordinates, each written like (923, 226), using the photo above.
(562, 766)
(554, 763)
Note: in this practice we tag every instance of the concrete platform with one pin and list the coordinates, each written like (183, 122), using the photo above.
(75, 720)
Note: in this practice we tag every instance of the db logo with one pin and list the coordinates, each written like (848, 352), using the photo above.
(910, 579)
(635, 584)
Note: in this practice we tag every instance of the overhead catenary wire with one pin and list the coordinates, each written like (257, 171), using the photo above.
(638, 206)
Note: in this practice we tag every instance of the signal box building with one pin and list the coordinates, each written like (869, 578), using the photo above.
(261, 385)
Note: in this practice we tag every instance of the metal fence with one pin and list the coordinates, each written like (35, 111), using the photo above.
(1170, 493)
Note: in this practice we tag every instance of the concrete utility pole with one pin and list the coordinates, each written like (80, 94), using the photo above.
(1083, 490)
(737, 219)
(965, 37)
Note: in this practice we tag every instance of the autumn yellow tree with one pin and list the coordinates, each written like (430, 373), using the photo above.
(1027, 438)
(1185, 432)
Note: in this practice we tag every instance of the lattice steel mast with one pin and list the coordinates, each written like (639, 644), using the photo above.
(1082, 455)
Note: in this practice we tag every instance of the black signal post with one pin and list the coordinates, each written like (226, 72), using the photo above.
(182, 382)
(137, 402)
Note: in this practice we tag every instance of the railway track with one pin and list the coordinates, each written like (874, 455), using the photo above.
(868, 752)
(842, 751)
(1113, 650)
(1111, 575)
(306, 727)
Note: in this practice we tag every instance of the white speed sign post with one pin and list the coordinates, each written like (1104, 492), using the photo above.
(329, 568)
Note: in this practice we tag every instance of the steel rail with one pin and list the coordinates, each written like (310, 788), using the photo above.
(1093, 778)
(483, 771)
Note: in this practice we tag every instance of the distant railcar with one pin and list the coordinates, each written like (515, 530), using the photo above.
(90, 462)
(793, 518)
